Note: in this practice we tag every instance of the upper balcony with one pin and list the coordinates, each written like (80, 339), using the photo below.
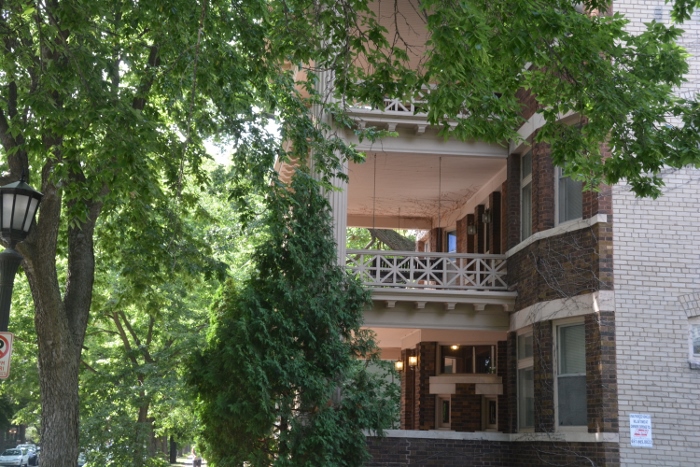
(396, 113)
(421, 277)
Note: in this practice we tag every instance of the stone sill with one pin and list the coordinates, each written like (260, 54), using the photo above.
(505, 437)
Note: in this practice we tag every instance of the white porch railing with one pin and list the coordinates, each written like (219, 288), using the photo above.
(417, 270)
(416, 105)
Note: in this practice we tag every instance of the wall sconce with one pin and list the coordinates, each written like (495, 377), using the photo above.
(412, 361)
(454, 347)
(398, 365)
(471, 229)
(486, 216)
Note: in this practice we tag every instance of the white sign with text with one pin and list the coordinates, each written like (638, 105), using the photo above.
(640, 430)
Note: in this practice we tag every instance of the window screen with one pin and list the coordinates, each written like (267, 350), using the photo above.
(572, 376)
(570, 198)
(526, 398)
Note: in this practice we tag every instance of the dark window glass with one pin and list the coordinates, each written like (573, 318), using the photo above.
(457, 360)
(467, 359)
(445, 411)
(483, 358)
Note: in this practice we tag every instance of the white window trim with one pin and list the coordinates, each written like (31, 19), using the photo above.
(523, 364)
(555, 351)
(558, 173)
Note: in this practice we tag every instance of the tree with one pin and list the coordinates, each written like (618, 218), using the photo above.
(280, 382)
(110, 100)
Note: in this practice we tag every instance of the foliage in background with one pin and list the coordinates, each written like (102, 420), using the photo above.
(149, 317)
(283, 379)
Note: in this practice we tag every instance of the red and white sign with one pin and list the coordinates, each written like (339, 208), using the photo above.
(5, 353)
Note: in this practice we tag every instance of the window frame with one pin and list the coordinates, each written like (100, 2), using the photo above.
(489, 403)
(558, 176)
(439, 412)
(448, 234)
(556, 350)
(693, 333)
(493, 359)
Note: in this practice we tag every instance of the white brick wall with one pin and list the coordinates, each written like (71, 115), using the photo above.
(657, 264)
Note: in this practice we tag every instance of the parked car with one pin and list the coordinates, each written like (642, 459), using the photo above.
(14, 456)
(33, 452)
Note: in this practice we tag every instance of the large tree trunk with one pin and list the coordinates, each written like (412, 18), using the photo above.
(61, 321)
(393, 239)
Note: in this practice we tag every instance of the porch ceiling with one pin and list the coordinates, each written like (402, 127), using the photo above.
(406, 190)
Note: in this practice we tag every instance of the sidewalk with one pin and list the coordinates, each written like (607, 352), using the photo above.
(186, 461)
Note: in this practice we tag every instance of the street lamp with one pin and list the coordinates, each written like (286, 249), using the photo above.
(17, 209)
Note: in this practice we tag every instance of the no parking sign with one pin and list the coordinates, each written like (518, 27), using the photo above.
(5, 353)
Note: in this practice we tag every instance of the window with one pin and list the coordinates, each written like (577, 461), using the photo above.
(452, 242)
(526, 382)
(467, 359)
(443, 412)
(526, 196)
(694, 343)
(569, 198)
(571, 375)
(490, 413)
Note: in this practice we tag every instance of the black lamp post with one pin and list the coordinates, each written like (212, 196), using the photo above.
(18, 205)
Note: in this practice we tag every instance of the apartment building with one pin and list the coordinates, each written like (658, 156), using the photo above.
(536, 323)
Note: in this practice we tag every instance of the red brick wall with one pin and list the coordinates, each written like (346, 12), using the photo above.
(462, 235)
(508, 371)
(480, 237)
(542, 188)
(543, 340)
(466, 408)
(424, 416)
(528, 102)
(601, 374)
(399, 452)
(504, 217)
(494, 228)
(512, 192)
(563, 266)
(471, 239)
(408, 381)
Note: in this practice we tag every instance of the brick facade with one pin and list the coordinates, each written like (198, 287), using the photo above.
(543, 340)
(506, 410)
(601, 373)
(424, 413)
(562, 266)
(466, 408)
(395, 452)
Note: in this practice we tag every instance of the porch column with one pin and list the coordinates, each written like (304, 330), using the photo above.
(338, 199)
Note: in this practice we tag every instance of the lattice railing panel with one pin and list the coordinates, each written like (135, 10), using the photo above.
(444, 271)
